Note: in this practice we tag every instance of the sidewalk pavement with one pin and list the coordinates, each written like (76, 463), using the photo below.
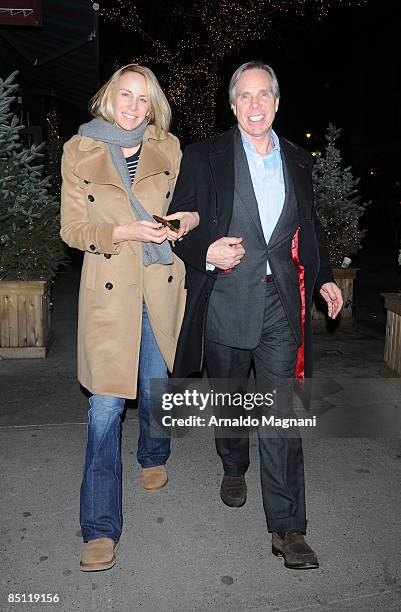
(181, 548)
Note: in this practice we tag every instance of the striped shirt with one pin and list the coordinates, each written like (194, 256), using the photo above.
(132, 164)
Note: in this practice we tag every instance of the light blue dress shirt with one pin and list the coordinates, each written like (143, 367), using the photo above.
(268, 185)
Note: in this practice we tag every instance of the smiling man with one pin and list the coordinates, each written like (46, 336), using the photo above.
(252, 265)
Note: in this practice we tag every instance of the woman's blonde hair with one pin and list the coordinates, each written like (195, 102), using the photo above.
(159, 109)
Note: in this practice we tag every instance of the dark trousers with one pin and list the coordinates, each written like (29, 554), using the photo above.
(281, 458)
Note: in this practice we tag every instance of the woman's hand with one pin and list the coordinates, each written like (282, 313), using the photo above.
(188, 222)
(141, 231)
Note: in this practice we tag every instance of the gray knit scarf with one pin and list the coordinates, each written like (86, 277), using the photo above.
(115, 139)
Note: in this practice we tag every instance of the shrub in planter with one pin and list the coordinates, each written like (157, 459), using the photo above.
(30, 247)
(339, 208)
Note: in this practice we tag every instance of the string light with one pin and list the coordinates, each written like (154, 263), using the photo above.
(54, 147)
(208, 32)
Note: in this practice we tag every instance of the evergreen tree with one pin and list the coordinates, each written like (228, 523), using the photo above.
(30, 245)
(338, 203)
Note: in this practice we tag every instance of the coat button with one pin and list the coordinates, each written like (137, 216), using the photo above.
(109, 286)
(167, 172)
(107, 255)
(168, 194)
(91, 198)
(170, 278)
(92, 247)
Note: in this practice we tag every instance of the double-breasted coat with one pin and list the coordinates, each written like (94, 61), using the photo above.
(114, 281)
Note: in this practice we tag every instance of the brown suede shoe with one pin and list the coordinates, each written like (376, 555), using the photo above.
(154, 478)
(233, 491)
(98, 555)
(297, 554)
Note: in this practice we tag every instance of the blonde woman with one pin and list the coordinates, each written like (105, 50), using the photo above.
(118, 172)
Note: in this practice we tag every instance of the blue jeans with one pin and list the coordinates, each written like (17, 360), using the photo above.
(100, 507)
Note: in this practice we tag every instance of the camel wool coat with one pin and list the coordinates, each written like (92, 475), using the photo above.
(114, 281)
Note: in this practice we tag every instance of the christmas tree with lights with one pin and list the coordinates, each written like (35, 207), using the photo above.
(30, 245)
(338, 203)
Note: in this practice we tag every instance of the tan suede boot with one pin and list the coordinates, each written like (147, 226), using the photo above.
(98, 555)
(154, 478)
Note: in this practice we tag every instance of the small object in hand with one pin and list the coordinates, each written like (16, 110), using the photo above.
(174, 224)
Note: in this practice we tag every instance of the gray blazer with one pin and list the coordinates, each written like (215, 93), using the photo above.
(236, 306)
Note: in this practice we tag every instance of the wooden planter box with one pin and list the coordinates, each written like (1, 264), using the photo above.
(392, 347)
(344, 277)
(25, 319)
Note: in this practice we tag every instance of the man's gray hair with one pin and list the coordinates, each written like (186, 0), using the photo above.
(249, 66)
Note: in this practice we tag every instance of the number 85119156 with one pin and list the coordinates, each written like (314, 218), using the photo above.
(33, 598)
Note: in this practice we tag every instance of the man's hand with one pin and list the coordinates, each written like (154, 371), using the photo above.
(188, 221)
(332, 294)
(225, 253)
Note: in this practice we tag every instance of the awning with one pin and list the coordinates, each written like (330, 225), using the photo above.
(59, 58)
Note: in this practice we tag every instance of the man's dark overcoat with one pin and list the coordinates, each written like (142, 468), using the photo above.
(206, 185)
